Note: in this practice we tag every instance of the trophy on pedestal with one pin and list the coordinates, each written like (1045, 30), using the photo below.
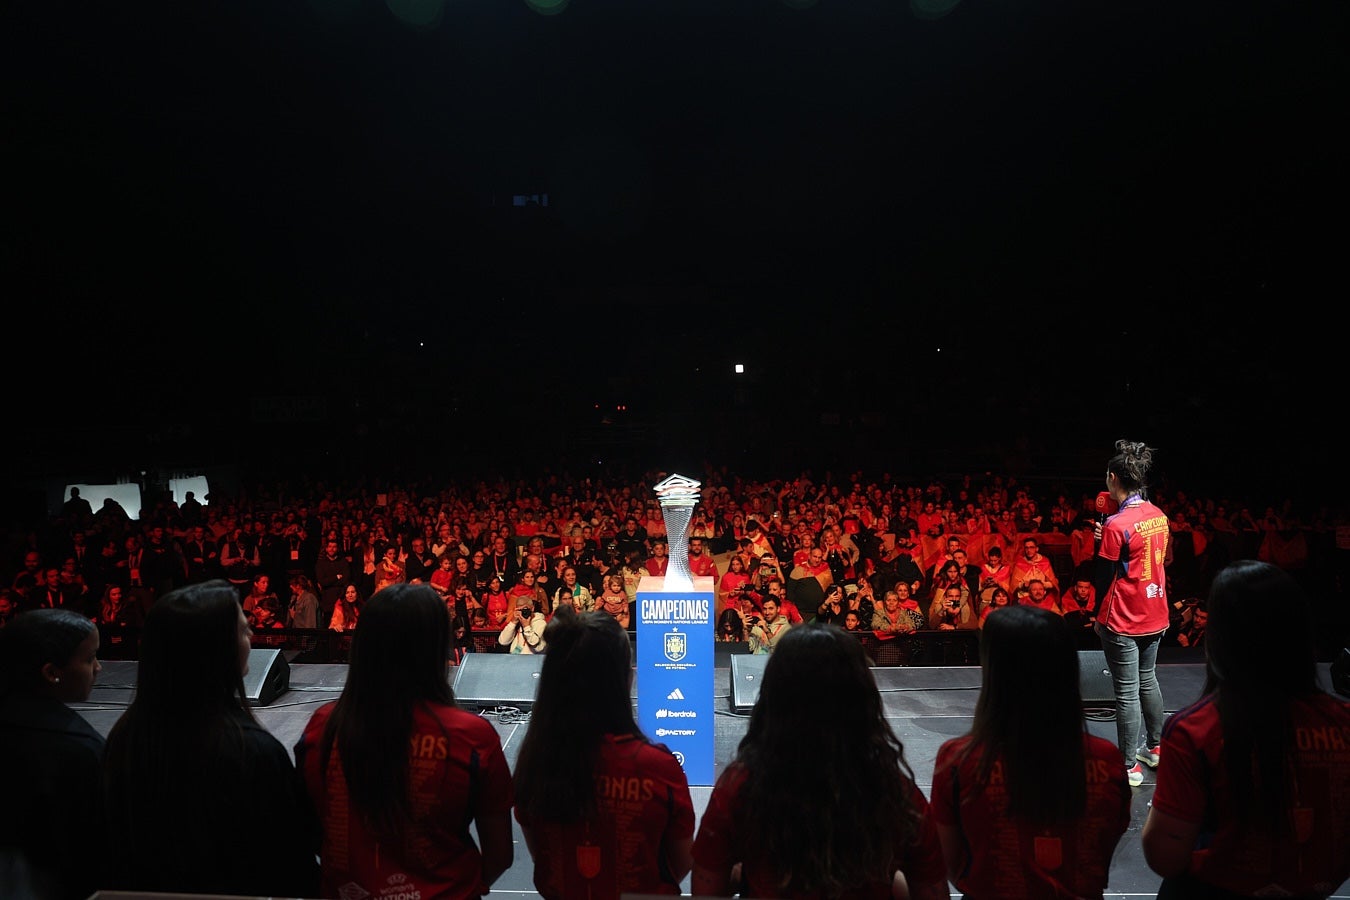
(678, 497)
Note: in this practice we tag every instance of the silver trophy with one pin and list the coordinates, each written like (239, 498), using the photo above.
(678, 497)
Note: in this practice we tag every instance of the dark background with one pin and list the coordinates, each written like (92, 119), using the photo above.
(994, 236)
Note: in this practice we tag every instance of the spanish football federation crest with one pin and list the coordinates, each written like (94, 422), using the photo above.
(676, 644)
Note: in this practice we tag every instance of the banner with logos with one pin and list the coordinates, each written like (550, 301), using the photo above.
(675, 661)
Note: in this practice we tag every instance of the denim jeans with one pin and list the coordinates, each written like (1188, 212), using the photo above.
(1134, 677)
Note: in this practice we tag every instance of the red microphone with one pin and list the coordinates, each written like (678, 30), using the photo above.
(1106, 506)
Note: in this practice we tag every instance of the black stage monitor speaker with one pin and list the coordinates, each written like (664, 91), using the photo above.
(1340, 673)
(723, 651)
(1094, 680)
(490, 680)
(746, 673)
(269, 676)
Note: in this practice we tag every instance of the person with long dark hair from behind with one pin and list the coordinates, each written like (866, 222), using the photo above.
(397, 772)
(604, 811)
(50, 755)
(1029, 803)
(190, 774)
(857, 827)
(1253, 796)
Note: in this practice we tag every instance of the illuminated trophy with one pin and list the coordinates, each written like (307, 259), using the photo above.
(678, 496)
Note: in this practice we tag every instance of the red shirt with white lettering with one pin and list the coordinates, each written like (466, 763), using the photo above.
(643, 808)
(1310, 858)
(1013, 858)
(1137, 540)
(457, 772)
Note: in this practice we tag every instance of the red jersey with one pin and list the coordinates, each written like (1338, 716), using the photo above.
(499, 608)
(927, 520)
(455, 760)
(728, 588)
(443, 580)
(731, 581)
(1193, 786)
(702, 565)
(1012, 858)
(643, 808)
(719, 846)
(1137, 541)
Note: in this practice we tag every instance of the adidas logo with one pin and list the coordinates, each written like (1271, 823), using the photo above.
(676, 694)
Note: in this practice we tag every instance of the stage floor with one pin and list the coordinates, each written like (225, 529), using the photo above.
(926, 706)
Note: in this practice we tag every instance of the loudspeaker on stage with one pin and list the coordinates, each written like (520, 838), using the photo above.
(490, 680)
(1340, 673)
(269, 676)
(1094, 680)
(747, 671)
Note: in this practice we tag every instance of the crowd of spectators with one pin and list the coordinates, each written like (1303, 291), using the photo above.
(840, 548)
(781, 551)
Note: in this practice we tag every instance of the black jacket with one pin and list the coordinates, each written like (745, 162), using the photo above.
(51, 757)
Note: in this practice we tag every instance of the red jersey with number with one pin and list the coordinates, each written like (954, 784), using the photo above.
(1137, 542)
(719, 846)
(1008, 857)
(1311, 856)
(643, 808)
(457, 773)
